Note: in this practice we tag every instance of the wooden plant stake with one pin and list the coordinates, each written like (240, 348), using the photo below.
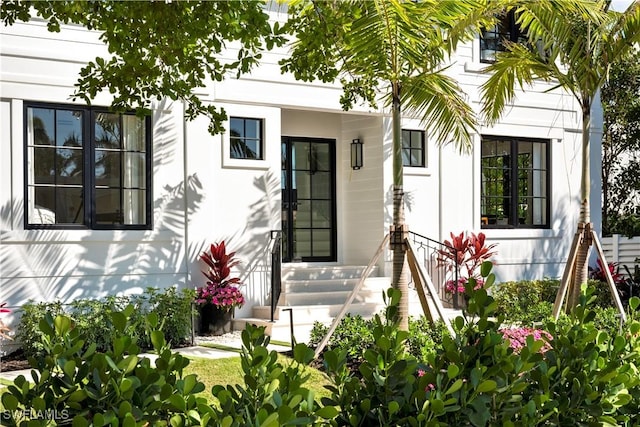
(585, 235)
(431, 306)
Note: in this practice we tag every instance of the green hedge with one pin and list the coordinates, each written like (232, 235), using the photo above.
(93, 318)
(530, 302)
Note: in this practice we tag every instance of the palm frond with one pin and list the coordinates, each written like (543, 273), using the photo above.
(518, 66)
(438, 100)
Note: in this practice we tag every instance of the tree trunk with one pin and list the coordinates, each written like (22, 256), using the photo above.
(400, 274)
(580, 273)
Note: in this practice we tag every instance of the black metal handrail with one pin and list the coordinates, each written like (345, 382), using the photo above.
(276, 269)
(441, 263)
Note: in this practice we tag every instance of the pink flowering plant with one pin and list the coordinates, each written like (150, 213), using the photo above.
(517, 338)
(221, 290)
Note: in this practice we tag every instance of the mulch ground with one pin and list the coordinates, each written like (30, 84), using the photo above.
(14, 362)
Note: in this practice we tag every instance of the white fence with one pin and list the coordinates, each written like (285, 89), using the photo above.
(622, 249)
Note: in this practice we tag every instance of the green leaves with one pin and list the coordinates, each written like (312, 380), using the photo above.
(388, 49)
(161, 50)
(117, 385)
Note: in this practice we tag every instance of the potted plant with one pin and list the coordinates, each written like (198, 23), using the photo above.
(467, 252)
(219, 297)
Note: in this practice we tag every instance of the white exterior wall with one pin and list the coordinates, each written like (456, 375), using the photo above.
(44, 265)
(201, 196)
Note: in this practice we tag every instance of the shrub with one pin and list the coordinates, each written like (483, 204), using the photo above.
(114, 387)
(28, 332)
(273, 394)
(383, 393)
(526, 301)
(425, 337)
(173, 306)
(353, 335)
(92, 318)
(475, 377)
(589, 376)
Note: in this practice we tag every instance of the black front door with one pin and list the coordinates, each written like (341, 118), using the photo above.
(308, 199)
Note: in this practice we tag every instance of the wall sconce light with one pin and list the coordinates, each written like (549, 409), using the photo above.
(356, 154)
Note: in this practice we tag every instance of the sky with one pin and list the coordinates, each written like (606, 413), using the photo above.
(620, 5)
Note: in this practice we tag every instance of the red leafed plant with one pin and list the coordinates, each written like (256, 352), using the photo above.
(468, 251)
(4, 329)
(220, 290)
(598, 273)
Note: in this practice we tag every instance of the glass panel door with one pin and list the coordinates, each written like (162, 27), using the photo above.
(308, 199)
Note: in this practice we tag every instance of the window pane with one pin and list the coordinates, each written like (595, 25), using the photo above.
(416, 158)
(108, 210)
(253, 149)
(321, 213)
(301, 156)
(416, 140)
(321, 242)
(68, 129)
(134, 171)
(108, 169)
(107, 130)
(41, 126)
(69, 164)
(134, 211)
(406, 139)
(321, 185)
(134, 133)
(69, 206)
(252, 129)
(43, 165)
(302, 215)
(406, 157)
(236, 128)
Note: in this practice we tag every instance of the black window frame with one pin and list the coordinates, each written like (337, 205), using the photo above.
(513, 204)
(89, 216)
(259, 140)
(409, 149)
(512, 34)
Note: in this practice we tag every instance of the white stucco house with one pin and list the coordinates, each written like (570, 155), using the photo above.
(93, 203)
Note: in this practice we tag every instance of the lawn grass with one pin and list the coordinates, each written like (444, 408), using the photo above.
(228, 371)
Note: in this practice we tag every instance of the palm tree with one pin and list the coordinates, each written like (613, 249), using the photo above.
(579, 42)
(391, 51)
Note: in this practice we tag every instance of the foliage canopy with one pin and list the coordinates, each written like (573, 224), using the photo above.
(160, 49)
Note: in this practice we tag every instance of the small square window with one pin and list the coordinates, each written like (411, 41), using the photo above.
(413, 148)
(246, 138)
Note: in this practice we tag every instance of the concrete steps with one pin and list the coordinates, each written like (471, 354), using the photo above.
(317, 293)
(312, 293)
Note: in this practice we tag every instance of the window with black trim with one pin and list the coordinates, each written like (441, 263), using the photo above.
(86, 167)
(413, 148)
(492, 40)
(515, 182)
(246, 138)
